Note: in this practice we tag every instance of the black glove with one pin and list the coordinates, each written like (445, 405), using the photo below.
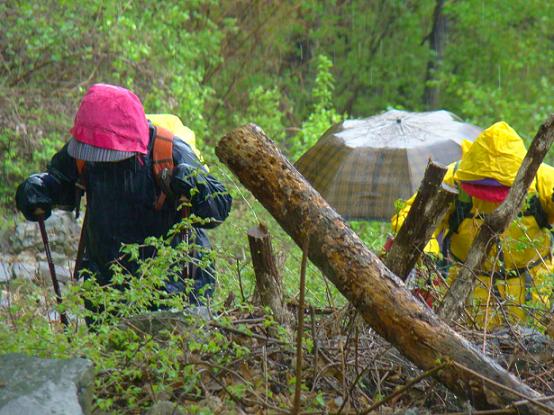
(32, 195)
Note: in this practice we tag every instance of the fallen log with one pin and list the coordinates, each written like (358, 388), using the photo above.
(378, 294)
(495, 223)
(429, 207)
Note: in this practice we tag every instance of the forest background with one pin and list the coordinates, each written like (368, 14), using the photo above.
(292, 67)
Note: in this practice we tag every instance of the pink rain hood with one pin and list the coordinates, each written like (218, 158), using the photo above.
(113, 118)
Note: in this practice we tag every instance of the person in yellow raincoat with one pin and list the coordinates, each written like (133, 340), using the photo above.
(516, 279)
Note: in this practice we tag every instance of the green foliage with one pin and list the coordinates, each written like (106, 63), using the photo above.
(12, 154)
(263, 110)
(377, 51)
(218, 63)
(133, 364)
(323, 115)
(374, 234)
(500, 67)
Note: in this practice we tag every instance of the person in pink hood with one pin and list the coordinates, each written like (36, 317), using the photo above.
(113, 138)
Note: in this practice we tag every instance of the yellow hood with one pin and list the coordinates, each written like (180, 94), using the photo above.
(174, 124)
(496, 153)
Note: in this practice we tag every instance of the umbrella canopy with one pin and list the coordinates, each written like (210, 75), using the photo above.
(361, 167)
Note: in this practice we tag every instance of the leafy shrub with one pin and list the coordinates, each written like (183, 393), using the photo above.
(134, 365)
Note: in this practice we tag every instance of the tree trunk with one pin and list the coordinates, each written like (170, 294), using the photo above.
(437, 40)
(495, 223)
(378, 294)
(269, 285)
(429, 207)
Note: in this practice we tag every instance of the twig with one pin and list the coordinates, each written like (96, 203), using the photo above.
(314, 336)
(354, 384)
(342, 356)
(543, 399)
(234, 398)
(244, 401)
(248, 320)
(328, 294)
(356, 364)
(300, 332)
(406, 387)
(266, 383)
(320, 374)
(240, 280)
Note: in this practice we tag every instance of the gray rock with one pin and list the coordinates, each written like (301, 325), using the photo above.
(34, 386)
(198, 311)
(63, 233)
(24, 270)
(4, 236)
(535, 342)
(165, 408)
(59, 258)
(538, 348)
(25, 236)
(5, 272)
(4, 302)
(62, 273)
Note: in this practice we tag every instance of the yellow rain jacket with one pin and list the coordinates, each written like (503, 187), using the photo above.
(519, 271)
(173, 123)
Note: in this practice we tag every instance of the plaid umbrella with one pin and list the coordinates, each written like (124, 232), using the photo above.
(361, 167)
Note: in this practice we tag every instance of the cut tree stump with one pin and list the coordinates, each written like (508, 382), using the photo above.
(379, 295)
(430, 205)
(495, 223)
(269, 286)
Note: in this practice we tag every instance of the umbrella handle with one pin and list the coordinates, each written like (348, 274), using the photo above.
(42, 227)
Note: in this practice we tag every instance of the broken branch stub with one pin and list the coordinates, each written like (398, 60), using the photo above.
(269, 286)
(378, 295)
(430, 205)
(495, 223)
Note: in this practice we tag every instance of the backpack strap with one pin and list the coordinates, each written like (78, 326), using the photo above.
(534, 208)
(80, 167)
(162, 163)
(80, 188)
(162, 166)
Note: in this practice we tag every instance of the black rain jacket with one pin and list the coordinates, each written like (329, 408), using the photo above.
(120, 202)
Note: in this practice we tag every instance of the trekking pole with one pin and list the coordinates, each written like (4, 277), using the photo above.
(63, 316)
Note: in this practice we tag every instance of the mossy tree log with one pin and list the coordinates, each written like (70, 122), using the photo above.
(378, 294)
